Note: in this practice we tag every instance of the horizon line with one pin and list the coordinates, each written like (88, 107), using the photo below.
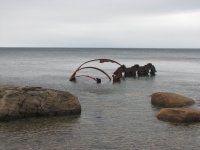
(98, 47)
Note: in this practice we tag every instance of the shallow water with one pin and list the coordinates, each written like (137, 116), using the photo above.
(114, 116)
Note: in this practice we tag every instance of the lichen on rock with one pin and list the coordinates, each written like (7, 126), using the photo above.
(21, 102)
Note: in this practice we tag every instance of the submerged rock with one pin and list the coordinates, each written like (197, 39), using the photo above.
(179, 115)
(21, 102)
(170, 100)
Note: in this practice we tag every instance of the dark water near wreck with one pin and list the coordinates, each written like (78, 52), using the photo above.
(114, 116)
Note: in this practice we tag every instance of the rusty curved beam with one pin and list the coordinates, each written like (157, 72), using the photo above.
(97, 69)
(96, 79)
(87, 76)
(100, 60)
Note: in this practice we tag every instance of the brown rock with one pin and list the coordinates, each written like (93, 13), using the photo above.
(20, 102)
(170, 99)
(179, 115)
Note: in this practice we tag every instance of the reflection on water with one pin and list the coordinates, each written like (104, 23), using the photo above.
(114, 116)
(37, 124)
(32, 133)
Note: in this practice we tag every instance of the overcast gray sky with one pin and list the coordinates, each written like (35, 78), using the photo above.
(100, 23)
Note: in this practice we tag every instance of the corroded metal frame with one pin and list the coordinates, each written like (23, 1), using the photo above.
(97, 69)
(100, 60)
(117, 75)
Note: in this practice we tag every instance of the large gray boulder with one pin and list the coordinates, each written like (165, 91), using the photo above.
(179, 115)
(21, 102)
(169, 100)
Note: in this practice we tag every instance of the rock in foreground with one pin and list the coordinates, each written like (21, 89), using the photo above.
(170, 100)
(21, 102)
(179, 115)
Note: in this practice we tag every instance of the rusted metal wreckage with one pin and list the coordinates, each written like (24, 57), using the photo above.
(117, 75)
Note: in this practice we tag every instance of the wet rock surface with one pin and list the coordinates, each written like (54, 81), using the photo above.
(179, 115)
(20, 102)
(170, 100)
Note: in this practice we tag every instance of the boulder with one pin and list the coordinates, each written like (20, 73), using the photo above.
(170, 100)
(179, 115)
(21, 102)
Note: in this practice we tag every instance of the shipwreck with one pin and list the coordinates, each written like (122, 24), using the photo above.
(121, 71)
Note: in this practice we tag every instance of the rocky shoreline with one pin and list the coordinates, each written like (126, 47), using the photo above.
(17, 102)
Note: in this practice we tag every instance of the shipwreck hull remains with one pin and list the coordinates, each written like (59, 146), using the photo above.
(136, 70)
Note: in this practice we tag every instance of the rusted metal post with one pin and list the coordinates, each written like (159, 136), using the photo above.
(118, 73)
(153, 70)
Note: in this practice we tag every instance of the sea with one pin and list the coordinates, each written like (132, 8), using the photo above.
(114, 115)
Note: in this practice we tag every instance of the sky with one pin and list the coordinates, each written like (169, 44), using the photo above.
(100, 23)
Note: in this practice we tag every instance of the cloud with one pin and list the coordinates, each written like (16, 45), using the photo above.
(100, 23)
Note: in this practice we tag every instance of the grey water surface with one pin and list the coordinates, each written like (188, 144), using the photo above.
(114, 116)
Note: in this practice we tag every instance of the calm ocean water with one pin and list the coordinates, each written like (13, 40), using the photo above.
(114, 116)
